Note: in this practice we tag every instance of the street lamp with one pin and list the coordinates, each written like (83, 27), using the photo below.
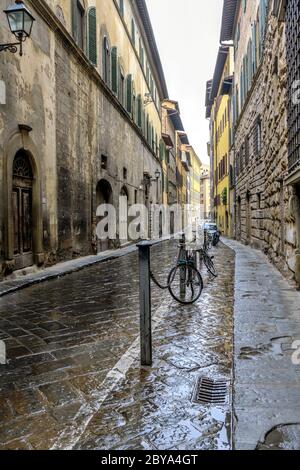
(20, 22)
(157, 174)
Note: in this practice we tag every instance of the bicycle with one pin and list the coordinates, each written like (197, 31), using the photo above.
(208, 261)
(185, 282)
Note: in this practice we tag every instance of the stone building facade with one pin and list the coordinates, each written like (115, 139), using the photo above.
(205, 201)
(80, 124)
(265, 191)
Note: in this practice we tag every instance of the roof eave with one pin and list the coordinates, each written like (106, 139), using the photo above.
(145, 18)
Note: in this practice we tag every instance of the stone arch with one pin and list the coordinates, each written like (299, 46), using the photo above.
(22, 142)
(123, 215)
(104, 195)
(104, 192)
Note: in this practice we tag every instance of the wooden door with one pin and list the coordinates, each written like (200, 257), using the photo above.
(22, 212)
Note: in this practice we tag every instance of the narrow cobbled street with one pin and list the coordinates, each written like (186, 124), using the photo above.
(74, 381)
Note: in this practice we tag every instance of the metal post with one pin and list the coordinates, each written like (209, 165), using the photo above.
(145, 303)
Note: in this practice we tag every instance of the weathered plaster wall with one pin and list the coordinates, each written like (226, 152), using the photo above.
(30, 99)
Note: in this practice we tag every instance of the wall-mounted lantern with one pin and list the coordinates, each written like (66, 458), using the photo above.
(20, 22)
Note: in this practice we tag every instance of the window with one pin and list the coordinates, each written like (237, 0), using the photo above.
(121, 86)
(133, 31)
(142, 54)
(139, 111)
(106, 61)
(104, 162)
(124, 173)
(134, 113)
(247, 151)
(121, 7)
(78, 22)
(257, 138)
(114, 70)
(129, 94)
(92, 36)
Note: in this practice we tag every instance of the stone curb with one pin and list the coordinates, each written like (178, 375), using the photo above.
(10, 287)
(72, 266)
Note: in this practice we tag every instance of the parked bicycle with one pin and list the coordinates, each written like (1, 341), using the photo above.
(208, 261)
(185, 282)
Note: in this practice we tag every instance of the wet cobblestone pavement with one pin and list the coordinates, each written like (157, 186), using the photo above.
(74, 381)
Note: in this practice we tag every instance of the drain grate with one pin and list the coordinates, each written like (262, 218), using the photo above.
(212, 392)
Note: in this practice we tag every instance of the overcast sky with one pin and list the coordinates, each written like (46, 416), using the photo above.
(187, 34)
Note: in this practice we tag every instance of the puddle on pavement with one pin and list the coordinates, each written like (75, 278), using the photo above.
(276, 347)
(283, 437)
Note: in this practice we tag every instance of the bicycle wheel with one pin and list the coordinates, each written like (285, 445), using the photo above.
(185, 284)
(210, 265)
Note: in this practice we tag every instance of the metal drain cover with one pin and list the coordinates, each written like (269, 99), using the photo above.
(211, 392)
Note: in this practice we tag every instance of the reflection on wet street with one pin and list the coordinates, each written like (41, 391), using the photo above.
(73, 382)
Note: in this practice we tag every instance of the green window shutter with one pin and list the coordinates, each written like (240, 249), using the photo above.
(74, 20)
(92, 35)
(105, 61)
(141, 53)
(133, 31)
(114, 70)
(121, 7)
(139, 111)
(129, 94)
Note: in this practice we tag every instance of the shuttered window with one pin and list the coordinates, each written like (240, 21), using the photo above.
(114, 70)
(121, 86)
(121, 7)
(139, 111)
(77, 22)
(106, 61)
(133, 31)
(142, 54)
(92, 36)
(129, 94)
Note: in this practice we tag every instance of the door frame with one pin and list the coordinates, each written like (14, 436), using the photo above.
(21, 140)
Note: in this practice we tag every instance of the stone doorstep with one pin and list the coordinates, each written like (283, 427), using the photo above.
(63, 269)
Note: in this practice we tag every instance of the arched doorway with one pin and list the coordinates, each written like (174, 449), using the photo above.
(22, 196)
(123, 222)
(104, 195)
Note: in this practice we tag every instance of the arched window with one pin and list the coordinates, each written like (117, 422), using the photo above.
(114, 70)
(92, 35)
(78, 22)
(106, 61)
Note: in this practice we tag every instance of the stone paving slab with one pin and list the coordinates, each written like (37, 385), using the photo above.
(62, 269)
(74, 379)
(266, 383)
